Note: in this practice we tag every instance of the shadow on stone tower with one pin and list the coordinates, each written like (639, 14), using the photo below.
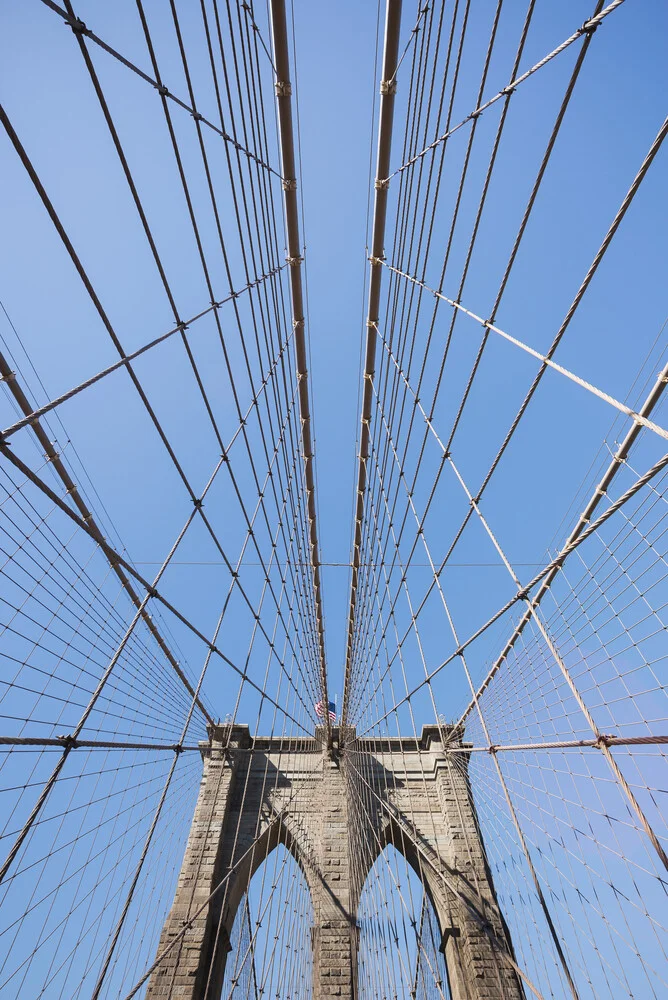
(335, 818)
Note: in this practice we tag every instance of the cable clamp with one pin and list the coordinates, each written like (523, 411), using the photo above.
(197, 116)
(69, 740)
(507, 91)
(376, 261)
(491, 748)
(77, 26)
(283, 88)
(294, 261)
(289, 183)
(198, 503)
(588, 28)
(11, 377)
(603, 742)
(297, 323)
(152, 592)
(381, 183)
(162, 90)
(388, 88)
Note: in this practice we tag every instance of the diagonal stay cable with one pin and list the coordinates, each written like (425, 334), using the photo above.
(586, 29)
(527, 213)
(545, 359)
(472, 905)
(82, 273)
(569, 315)
(553, 565)
(115, 556)
(583, 523)
(40, 411)
(187, 924)
(88, 519)
(195, 226)
(79, 28)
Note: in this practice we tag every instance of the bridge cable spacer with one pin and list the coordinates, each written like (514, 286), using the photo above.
(78, 26)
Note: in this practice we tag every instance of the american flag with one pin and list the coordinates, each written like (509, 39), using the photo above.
(320, 710)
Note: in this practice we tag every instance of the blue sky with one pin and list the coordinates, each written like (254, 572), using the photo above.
(616, 341)
(612, 119)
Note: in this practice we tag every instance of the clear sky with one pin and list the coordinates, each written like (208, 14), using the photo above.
(613, 117)
(616, 341)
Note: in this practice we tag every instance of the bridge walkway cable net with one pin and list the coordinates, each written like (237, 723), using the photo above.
(561, 705)
(490, 395)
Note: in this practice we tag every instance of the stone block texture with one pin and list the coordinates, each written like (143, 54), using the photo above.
(335, 810)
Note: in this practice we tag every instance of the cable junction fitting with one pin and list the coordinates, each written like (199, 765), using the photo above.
(78, 26)
(68, 741)
(588, 28)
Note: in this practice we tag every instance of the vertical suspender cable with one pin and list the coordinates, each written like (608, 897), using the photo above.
(8, 376)
(388, 87)
(295, 260)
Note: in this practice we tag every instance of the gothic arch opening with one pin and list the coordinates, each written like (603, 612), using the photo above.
(399, 935)
(270, 941)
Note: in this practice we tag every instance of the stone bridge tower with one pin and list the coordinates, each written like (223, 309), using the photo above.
(258, 793)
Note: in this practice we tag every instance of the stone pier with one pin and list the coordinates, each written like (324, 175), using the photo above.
(334, 810)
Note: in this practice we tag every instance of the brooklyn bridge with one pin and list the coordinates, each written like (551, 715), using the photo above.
(333, 500)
